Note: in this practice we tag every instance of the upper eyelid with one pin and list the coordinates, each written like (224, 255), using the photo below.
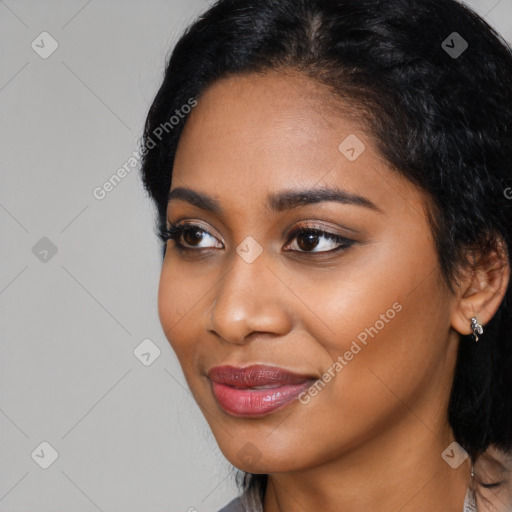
(301, 224)
(191, 224)
(298, 228)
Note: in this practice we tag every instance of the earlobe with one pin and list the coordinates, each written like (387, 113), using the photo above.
(482, 289)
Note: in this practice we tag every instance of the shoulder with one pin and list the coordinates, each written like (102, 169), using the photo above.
(249, 501)
(235, 505)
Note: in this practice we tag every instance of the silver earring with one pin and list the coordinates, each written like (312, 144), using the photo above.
(477, 328)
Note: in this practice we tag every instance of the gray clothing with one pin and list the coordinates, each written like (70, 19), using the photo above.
(250, 502)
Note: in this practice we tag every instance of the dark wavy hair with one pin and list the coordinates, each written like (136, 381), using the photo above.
(441, 120)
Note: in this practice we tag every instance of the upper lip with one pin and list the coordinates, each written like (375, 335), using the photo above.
(255, 375)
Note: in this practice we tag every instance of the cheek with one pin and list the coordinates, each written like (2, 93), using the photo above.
(167, 300)
(388, 320)
(378, 289)
(176, 300)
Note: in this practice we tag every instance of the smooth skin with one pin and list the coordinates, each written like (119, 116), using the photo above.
(372, 438)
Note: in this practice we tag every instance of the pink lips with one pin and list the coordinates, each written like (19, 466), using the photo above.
(256, 390)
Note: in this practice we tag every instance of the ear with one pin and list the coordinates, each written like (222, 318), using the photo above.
(482, 289)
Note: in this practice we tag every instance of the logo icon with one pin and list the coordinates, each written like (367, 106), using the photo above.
(147, 352)
(44, 250)
(454, 455)
(454, 45)
(44, 45)
(352, 147)
(249, 249)
(249, 454)
(44, 455)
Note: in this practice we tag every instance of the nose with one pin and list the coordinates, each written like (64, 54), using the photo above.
(249, 299)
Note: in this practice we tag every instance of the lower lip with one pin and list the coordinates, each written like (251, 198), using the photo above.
(256, 402)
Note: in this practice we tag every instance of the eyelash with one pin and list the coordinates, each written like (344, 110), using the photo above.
(176, 230)
(491, 486)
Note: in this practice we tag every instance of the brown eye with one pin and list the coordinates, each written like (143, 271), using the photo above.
(307, 241)
(189, 236)
(314, 241)
(192, 236)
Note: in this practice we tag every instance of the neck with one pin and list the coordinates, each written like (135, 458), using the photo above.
(400, 470)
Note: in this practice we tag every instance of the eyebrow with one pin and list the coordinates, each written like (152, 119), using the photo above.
(278, 202)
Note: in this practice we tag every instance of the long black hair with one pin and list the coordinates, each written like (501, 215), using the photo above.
(433, 83)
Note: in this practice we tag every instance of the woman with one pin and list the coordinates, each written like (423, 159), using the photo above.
(493, 476)
(332, 180)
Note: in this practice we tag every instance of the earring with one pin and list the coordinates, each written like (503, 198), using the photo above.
(477, 328)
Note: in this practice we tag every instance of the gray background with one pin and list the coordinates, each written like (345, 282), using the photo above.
(128, 436)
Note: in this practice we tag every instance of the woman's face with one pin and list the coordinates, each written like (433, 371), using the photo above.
(493, 472)
(367, 315)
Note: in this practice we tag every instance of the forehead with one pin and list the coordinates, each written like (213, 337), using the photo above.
(259, 133)
(270, 108)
